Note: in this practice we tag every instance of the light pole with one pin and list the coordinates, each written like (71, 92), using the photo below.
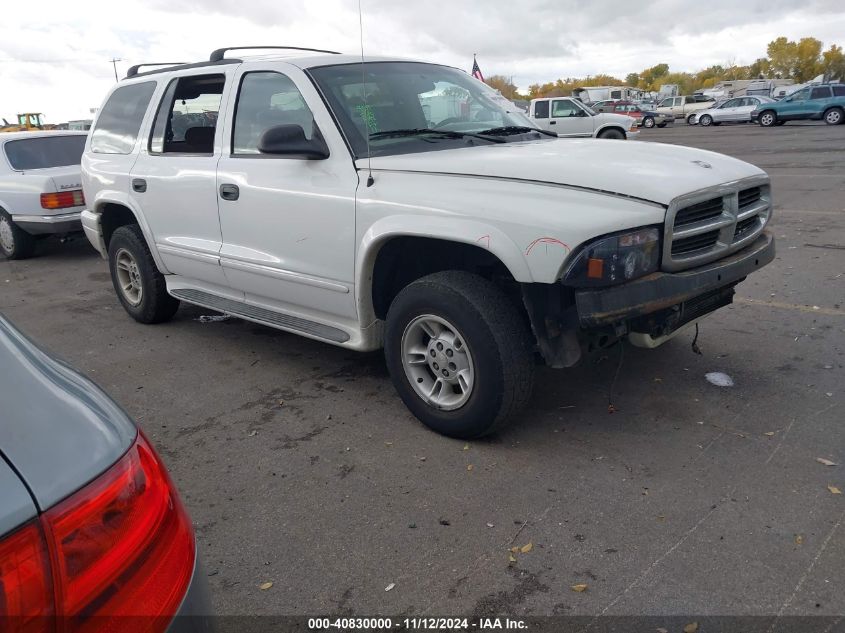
(114, 64)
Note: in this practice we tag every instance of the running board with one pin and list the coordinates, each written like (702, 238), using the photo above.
(260, 315)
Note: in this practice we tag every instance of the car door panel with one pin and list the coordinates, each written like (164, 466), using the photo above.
(569, 119)
(174, 178)
(289, 237)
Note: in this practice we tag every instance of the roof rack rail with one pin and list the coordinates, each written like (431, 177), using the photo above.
(217, 55)
(133, 70)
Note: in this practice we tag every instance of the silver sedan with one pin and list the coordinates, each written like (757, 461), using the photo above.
(736, 110)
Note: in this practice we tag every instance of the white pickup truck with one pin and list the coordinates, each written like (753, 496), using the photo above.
(569, 117)
(387, 203)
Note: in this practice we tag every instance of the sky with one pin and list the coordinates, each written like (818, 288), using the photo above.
(55, 59)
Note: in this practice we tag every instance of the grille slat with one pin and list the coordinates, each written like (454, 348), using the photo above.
(695, 243)
(706, 210)
(747, 197)
(744, 225)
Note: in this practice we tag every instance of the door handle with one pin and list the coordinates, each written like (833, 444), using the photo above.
(229, 192)
(139, 185)
(552, 122)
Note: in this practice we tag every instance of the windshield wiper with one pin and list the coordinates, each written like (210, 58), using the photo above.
(422, 131)
(516, 129)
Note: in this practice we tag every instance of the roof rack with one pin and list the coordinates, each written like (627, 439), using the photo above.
(133, 70)
(217, 55)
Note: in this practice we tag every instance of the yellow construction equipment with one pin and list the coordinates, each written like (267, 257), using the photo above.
(28, 121)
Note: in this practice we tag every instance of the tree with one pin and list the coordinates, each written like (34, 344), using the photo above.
(833, 62)
(632, 79)
(782, 55)
(650, 78)
(807, 64)
(504, 85)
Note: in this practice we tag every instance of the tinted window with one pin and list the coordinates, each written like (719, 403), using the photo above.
(265, 100)
(839, 91)
(541, 110)
(187, 116)
(732, 103)
(44, 152)
(120, 119)
(820, 93)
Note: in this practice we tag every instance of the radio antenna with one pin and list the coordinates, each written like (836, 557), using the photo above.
(366, 113)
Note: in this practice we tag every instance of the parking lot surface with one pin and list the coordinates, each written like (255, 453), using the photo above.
(301, 467)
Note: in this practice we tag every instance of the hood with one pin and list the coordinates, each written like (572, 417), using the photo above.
(611, 117)
(648, 171)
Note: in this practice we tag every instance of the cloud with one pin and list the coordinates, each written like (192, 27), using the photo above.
(57, 60)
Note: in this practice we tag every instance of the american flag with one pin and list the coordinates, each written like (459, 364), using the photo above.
(476, 71)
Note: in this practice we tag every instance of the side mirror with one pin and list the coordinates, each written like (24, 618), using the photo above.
(290, 141)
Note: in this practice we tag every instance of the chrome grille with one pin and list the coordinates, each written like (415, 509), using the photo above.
(712, 223)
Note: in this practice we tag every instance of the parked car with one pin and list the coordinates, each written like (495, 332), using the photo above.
(684, 107)
(737, 110)
(91, 527)
(40, 188)
(571, 118)
(606, 105)
(378, 203)
(821, 102)
(644, 118)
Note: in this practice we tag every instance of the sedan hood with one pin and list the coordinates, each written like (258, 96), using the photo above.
(648, 171)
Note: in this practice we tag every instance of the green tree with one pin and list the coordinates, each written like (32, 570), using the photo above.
(504, 85)
(807, 63)
(782, 55)
(632, 79)
(833, 62)
(651, 78)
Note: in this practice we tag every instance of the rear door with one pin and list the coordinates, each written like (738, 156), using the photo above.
(569, 119)
(174, 179)
(820, 97)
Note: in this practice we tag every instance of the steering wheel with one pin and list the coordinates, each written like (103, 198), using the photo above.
(454, 119)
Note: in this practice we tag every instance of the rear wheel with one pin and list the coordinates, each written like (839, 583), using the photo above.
(768, 118)
(613, 133)
(706, 120)
(15, 243)
(139, 284)
(833, 116)
(458, 353)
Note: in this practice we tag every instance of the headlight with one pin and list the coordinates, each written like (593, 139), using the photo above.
(615, 259)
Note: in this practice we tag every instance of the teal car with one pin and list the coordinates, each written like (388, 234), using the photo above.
(823, 102)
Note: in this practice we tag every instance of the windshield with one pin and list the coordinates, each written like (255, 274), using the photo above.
(425, 106)
(45, 152)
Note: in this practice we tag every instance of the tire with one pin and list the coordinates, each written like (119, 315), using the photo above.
(706, 120)
(136, 279)
(833, 116)
(662, 124)
(15, 243)
(691, 119)
(768, 118)
(612, 133)
(480, 330)
(648, 121)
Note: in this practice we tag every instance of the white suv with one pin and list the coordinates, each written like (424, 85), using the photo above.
(570, 118)
(382, 202)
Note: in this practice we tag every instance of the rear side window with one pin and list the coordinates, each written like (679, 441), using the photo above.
(541, 110)
(187, 116)
(820, 93)
(120, 119)
(45, 152)
(839, 91)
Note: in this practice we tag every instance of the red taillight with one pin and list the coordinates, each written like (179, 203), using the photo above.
(62, 199)
(26, 592)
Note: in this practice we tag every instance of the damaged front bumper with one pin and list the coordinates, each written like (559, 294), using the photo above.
(696, 289)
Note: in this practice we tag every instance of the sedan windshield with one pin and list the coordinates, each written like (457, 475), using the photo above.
(405, 107)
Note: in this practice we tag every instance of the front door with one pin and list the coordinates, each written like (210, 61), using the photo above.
(288, 223)
(794, 106)
(727, 111)
(570, 119)
(174, 178)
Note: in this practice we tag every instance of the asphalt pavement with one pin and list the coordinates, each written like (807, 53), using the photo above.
(301, 467)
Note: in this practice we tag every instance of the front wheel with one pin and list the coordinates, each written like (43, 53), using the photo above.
(15, 243)
(612, 133)
(706, 120)
(833, 116)
(691, 119)
(768, 118)
(136, 279)
(459, 354)
(648, 121)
